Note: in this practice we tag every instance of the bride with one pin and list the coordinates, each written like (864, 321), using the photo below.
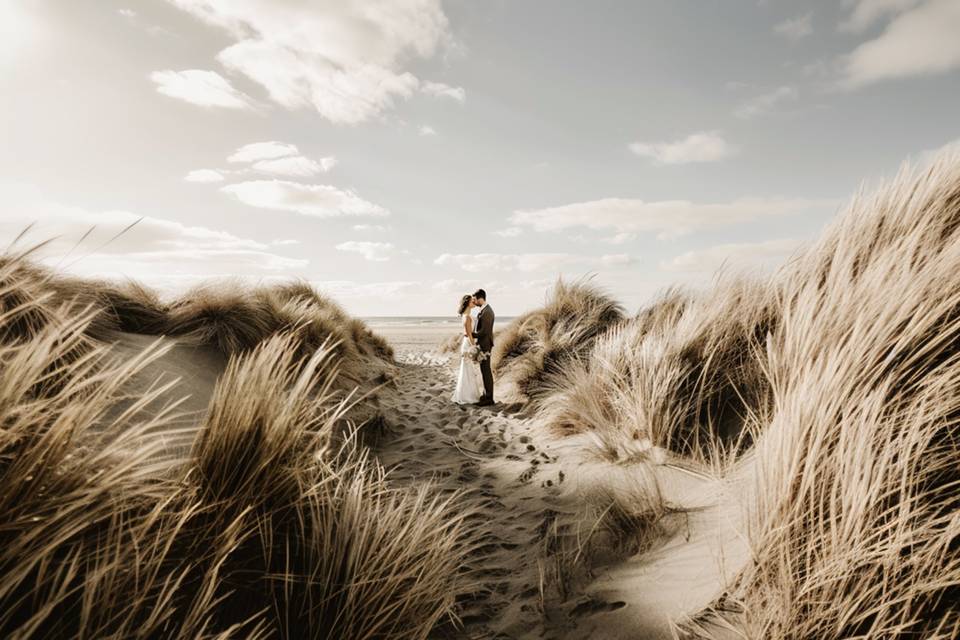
(469, 386)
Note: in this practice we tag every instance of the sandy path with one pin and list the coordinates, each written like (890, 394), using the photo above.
(490, 454)
(511, 475)
(522, 481)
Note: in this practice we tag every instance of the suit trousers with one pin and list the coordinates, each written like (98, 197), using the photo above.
(487, 373)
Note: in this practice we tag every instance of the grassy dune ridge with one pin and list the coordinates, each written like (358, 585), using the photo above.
(277, 523)
(833, 385)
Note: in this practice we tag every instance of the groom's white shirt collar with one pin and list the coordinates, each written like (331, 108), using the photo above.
(482, 308)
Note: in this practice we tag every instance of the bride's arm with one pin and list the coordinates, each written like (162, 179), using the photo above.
(468, 329)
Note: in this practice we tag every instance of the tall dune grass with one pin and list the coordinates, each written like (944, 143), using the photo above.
(273, 527)
(857, 532)
(541, 342)
(684, 374)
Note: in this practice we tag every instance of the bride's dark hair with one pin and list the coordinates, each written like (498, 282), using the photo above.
(464, 303)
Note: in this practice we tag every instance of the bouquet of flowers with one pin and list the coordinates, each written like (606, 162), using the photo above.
(477, 355)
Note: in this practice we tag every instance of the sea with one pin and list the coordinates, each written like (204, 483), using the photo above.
(419, 334)
(439, 322)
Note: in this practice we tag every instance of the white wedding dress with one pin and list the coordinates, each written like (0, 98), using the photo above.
(469, 384)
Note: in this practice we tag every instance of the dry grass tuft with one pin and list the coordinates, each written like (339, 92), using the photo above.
(223, 314)
(684, 375)
(608, 527)
(542, 342)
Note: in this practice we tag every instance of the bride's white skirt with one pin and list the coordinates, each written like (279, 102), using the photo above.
(469, 383)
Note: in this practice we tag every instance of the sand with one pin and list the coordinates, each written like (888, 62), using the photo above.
(531, 496)
(191, 372)
(413, 339)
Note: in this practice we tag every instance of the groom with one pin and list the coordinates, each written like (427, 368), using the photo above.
(484, 337)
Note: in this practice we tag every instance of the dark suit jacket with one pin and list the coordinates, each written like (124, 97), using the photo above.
(484, 329)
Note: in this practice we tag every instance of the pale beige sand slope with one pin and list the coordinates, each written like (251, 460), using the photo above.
(703, 548)
(193, 370)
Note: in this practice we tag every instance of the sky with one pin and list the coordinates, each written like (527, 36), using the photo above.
(400, 153)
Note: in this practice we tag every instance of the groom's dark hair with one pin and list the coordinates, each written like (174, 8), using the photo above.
(480, 293)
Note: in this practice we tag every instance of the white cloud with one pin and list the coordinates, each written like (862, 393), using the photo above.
(349, 289)
(295, 166)
(765, 103)
(324, 201)
(280, 159)
(921, 40)
(867, 12)
(453, 285)
(204, 175)
(795, 28)
(129, 14)
(441, 90)
(344, 59)
(378, 228)
(616, 260)
(620, 238)
(121, 244)
(667, 218)
(705, 146)
(373, 251)
(426, 130)
(525, 262)
(263, 151)
(202, 88)
(509, 232)
(513, 286)
(738, 255)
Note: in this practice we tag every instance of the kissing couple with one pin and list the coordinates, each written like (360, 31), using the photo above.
(475, 347)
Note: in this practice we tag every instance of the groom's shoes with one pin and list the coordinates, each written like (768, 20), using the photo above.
(485, 402)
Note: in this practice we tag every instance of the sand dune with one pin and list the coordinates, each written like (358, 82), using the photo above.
(192, 371)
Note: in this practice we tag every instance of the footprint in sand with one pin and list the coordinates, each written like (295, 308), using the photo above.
(593, 606)
(487, 447)
(527, 475)
(530, 592)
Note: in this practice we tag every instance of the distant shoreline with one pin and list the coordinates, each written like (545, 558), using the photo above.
(417, 334)
(418, 321)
